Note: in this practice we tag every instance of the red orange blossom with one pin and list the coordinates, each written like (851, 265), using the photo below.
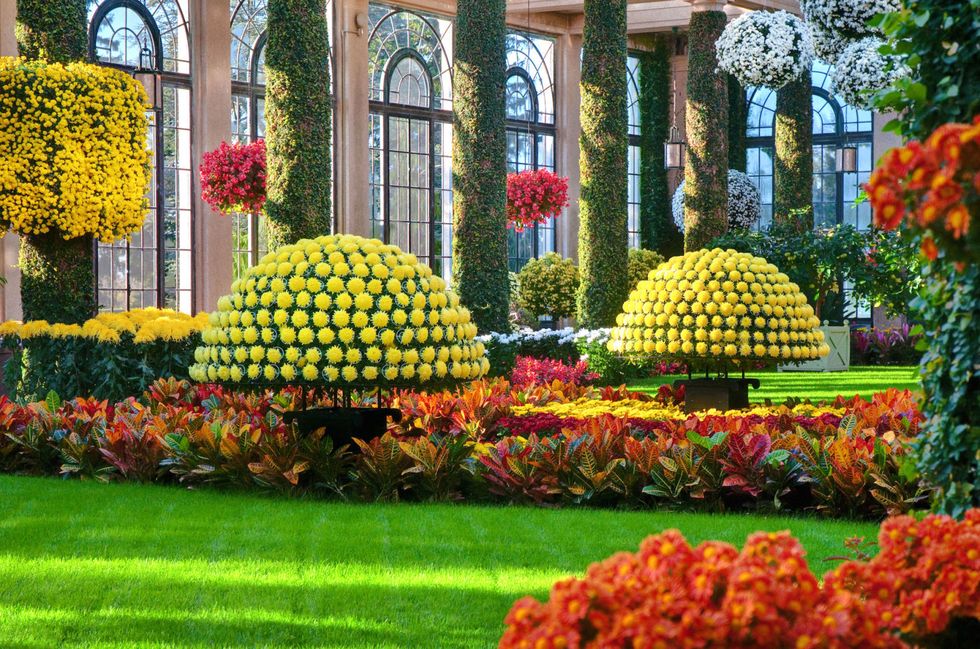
(934, 187)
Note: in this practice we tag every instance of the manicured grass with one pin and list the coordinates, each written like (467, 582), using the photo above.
(85, 565)
(815, 386)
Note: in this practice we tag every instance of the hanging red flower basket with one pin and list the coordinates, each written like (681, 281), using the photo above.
(534, 197)
(233, 178)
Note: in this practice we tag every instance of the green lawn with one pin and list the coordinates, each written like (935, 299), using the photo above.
(815, 386)
(86, 565)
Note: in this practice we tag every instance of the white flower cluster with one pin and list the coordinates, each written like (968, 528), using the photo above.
(565, 336)
(744, 204)
(765, 48)
(835, 24)
(862, 71)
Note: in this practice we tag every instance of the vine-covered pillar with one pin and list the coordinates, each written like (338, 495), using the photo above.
(480, 272)
(706, 172)
(57, 276)
(603, 235)
(793, 166)
(298, 114)
(657, 229)
(737, 120)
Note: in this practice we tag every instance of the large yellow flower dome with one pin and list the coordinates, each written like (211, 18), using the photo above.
(718, 306)
(339, 311)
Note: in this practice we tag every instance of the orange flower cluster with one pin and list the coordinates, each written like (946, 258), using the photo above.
(672, 595)
(934, 187)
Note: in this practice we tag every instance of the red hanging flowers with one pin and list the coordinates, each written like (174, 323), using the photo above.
(233, 178)
(934, 187)
(534, 197)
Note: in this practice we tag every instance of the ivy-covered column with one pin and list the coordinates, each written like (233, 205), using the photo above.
(57, 275)
(706, 173)
(793, 167)
(657, 229)
(603, 236)
(480, 270)
(298, 114)
(738, 113)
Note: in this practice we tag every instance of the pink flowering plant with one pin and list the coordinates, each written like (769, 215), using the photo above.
(233, 178)
(530, 372)
(533, 197)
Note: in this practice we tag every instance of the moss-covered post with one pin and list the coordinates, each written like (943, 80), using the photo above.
(793, 167)
(480, 163)
(298, 114)
(657, 229)
(738, 114)
(603, 234)
(57, 276)
(706, 173)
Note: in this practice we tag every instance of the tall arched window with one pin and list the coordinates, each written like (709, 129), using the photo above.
(249, 21)
(154, 268)
(633, 153)
(530, 102)
(411, 134)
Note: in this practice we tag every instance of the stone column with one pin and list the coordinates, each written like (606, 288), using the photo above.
(568, 77)
(211, 118)
(10, 245)
(352, 160)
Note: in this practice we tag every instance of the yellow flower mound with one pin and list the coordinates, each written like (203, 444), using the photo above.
(143, 325)
(586, 408)
(718, 305)
(341, 311)
(73, 150)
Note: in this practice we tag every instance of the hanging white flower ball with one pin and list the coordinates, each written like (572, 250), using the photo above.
(765, 48)
(744, 204)
(835, 24)
(862, 71)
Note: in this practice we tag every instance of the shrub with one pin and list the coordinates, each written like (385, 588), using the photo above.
(641, 264)
(547, 286)
(925, 581)
(112, 356)
(885, 346)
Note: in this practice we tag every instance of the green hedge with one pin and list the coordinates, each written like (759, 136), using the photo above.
(298, 113)
(738, 114)
(706, 174)
(480, 266)
(657, 229)
(793, 166)
(603, 237)
(56, 30)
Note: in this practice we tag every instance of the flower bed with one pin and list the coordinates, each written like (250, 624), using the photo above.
(844, 460)
(922, 589)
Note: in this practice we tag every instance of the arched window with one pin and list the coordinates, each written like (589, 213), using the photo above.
(633, 153)
(411, 133)
(155, 267)
(249, 21)
(530, 105)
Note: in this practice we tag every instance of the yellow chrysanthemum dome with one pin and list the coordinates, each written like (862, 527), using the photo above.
(718, 307)
(339, 311)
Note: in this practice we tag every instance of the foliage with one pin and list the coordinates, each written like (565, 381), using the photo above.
(529, 372)
(641, 264)
(885, 346)
(706, 194)
(534, 197)
(719, 308)
(738, 115)
(547, 286)
(922, 585)
(603, 236)
(55, 31)
(892, 276)
(793, 164)
(744, 207)
(342, 311)
(657, 231)
(299, 115)
(47, 261)
(765, 48)
(480, 196)
(233, 178)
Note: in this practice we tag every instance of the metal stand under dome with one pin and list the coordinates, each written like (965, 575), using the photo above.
(716, 393)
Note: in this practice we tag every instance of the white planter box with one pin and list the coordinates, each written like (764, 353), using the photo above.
(839, 358)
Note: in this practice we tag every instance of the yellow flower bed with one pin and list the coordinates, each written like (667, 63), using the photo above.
(340, 310)
(721, 305)
(586, 408)
(144, 325)
(73, 150)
